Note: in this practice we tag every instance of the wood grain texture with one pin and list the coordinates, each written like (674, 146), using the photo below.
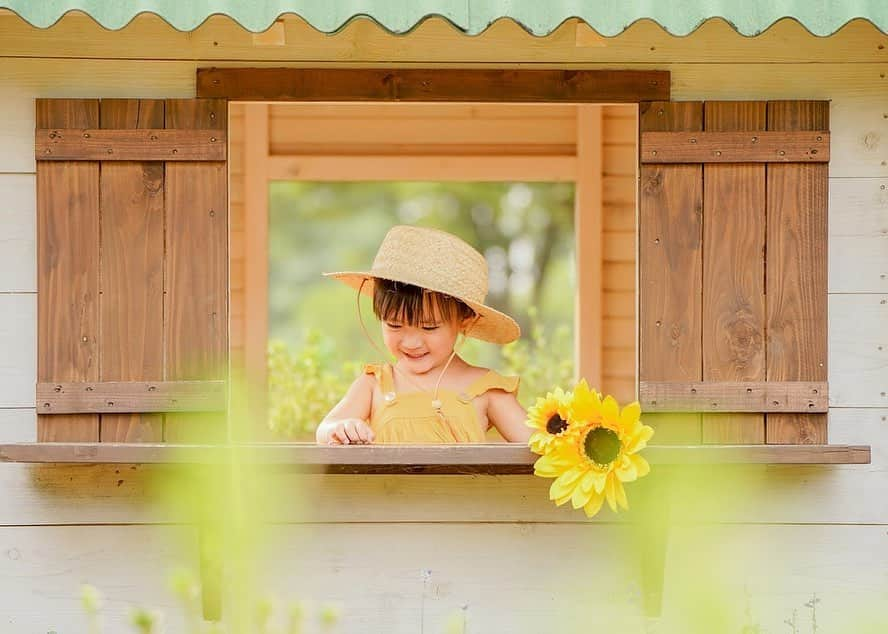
(256, 214)
(855, 90)
(796, 267)
(670, 269)
(588, 227)
(734, 396)
(435, 40)
(494, 458)
(421, 84)
(423, 168)
(68, 278)
(733, 273)
(725, 146)
(131, 396)
(403, 128)
(114, 494)
(196, 265)
(147, 144)
(131, 275)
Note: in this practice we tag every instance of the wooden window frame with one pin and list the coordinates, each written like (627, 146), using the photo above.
(421, 85)
(261, 168)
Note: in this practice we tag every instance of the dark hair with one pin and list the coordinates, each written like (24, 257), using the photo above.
(414, 305)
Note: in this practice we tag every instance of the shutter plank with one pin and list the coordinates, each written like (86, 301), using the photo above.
(733, 273)
(131, 270)
(796, 283)
(67, 278)
(196, 264)
(670, 261)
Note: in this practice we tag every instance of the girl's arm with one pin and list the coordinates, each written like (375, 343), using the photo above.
(506, 414)
(347, 421)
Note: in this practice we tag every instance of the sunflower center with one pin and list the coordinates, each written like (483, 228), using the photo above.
(556, 425)
(602, 445)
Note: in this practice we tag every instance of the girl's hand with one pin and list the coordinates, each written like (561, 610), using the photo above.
(351, 431)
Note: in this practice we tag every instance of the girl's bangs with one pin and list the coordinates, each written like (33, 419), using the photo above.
(415, 306)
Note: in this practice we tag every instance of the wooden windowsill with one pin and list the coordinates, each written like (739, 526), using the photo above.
(482, 458)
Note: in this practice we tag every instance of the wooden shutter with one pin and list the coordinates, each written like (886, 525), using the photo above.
(733, 295)
(132, 269)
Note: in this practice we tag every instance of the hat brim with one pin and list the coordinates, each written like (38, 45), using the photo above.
(491, 325)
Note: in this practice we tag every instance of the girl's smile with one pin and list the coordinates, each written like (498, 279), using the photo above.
(422, 348)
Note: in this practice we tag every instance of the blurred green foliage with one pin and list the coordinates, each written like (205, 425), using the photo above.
(316, 345)
(305, 382)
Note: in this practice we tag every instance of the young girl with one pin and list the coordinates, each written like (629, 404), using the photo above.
(428, 288)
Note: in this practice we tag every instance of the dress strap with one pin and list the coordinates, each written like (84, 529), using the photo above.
(493, 380)
(383, 374)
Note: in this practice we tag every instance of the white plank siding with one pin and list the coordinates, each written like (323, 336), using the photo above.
(858, 350)
(858, 235)
(42, 570)
(18, 348)
(18, 231)
(18, 425)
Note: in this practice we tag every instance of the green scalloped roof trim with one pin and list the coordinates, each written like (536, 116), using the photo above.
(539, 17)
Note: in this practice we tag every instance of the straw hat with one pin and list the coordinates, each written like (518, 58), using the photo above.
(439, 262)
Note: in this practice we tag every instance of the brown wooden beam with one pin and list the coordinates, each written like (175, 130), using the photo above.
(735, 147)
(455, 459)
(763, 396)
(72, 144)
(131, 396)
(434, 84)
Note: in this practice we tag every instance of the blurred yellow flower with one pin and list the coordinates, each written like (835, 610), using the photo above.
(597, 453)
(548, 417)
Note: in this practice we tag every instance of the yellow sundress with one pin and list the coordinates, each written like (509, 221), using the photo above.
(409, 418)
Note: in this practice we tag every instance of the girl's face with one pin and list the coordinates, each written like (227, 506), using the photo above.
(422, 347)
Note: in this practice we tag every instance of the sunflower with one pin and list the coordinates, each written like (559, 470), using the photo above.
(549, 418)
(598, 454)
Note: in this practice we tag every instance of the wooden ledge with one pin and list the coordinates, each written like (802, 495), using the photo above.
(483, 458)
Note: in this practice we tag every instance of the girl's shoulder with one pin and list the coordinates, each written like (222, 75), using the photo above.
(481, 380)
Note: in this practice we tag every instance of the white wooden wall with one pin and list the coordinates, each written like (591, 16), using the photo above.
(403, 553)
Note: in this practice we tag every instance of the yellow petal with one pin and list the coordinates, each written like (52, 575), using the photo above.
(600, 481)
(539, 442)
(566, 482)
(630, 415)
(640, 439)
(593, 481)
(550, 466)
(593, 505)
(559, 497)
(585, 405)
(610, 410)
(610, 493)
(621, 495)
(642, 467)
(626, 470)
(580, 498)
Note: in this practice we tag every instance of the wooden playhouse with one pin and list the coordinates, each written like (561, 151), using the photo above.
(732, 275)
